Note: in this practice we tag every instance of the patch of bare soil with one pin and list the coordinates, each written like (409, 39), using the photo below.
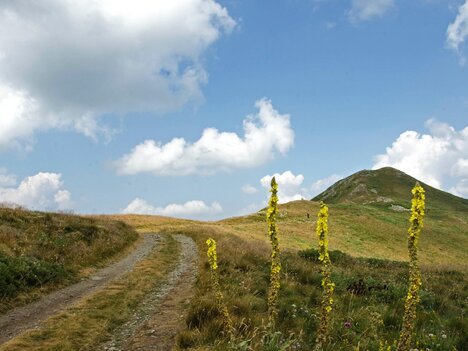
(30, 316)
(161, 315)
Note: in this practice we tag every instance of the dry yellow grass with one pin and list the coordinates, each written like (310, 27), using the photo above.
(359, 230)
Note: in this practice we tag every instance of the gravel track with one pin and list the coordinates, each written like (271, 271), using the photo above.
(161, 314)
(30, 316)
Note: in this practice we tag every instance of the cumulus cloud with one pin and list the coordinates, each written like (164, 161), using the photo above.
(461, 188)
(457, 31)
(64, 63)
(363, 10)
(266, 133)
(6, 179)
(438, 158)
(246, 189)
(252, 208)
(43, 191)
(289, 186)
(193, 208)
(322, 184)
(460, 168)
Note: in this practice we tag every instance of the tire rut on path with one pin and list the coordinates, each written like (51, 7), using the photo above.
(30, 316)
(161, 315)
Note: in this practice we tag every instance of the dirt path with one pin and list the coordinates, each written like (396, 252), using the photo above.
(161, 315)
(30, 316)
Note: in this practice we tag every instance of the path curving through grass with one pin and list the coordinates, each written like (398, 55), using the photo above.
(30, 316)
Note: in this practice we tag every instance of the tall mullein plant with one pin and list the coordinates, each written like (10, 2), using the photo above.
(412, 298)
(275, 258)
(213, 261)
(327, 285)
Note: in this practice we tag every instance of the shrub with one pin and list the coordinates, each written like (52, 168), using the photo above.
(19, 274)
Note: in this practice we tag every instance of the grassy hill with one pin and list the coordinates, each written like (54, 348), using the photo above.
(368, 229)
(43, 251)
(368, 239)
(368, 222)
(371, 315)
(385, 187)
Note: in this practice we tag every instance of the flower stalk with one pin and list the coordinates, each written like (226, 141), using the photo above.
(213, 261)
(275, 258)
(412, 297)
(327, 285)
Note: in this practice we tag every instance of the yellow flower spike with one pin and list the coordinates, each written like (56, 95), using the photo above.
(412, 297)
(328, 286)
(211, 253)
(213, 261)
(275, 270)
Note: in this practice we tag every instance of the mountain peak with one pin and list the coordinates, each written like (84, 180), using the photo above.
(389, 187)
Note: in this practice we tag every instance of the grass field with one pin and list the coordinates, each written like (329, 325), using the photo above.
(86, 325)
(40, 252)
(368, 244)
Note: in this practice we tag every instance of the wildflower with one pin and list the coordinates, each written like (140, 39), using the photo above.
(211, 253)
(328, 286)
(213, 261)
(275, 259)
(443, 336)
(412, 298)
(347, 324)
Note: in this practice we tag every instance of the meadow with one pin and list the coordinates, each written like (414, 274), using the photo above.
(367, 247)
(369, 255)
(41, 252)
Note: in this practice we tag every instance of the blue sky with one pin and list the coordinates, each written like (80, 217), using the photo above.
(103, 105)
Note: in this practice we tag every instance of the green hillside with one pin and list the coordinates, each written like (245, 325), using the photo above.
(368, 241)
(368, 237)
(42, 251)
(369, 254)
(386, 187)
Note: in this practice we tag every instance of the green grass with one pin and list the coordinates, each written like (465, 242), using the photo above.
(91, 322)
(369, 256)
(389, 183)
(369, 249)
(363, 231)
(244, 274)
(18, 274)
(41, 251)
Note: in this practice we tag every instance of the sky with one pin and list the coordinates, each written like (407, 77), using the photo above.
(187, 108)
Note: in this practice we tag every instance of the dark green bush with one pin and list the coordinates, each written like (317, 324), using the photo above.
(18, 274)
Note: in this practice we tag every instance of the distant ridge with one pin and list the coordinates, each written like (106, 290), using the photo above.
(387, 187)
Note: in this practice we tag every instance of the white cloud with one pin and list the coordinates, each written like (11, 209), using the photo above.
(64, 63)
(460, 168)
(289, 186)
(43, 191)
(461, 188)
(363, 10)
(247, 189)
(6, 179)
(322, 184)
(457, 31)
(252, 208)
(265, 134)
(438, 158)
(193, 208)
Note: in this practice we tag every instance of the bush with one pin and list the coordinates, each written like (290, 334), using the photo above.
(18, 274)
